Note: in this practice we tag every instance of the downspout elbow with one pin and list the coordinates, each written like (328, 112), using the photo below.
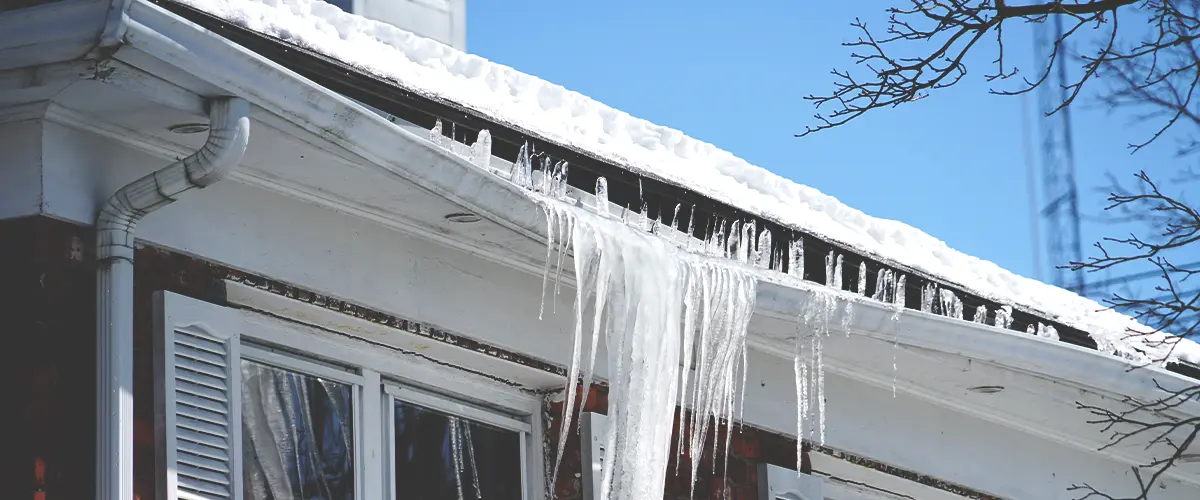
(229, 133)
(228, 136)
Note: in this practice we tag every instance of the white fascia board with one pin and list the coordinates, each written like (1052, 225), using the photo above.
(365, 134)
(1073, 364)
(50, 33)
(328, 115)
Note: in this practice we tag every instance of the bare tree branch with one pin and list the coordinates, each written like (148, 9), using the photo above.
(944, 33)
(1145, 50)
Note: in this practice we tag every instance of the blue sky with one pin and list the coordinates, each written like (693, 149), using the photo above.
(952, 165)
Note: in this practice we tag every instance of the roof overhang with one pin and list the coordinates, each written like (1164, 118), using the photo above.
(942, 358)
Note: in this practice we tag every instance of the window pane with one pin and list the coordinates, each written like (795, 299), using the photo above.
(441, 457)
(297, 438)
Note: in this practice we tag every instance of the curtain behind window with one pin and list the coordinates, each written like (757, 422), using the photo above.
(297, 438)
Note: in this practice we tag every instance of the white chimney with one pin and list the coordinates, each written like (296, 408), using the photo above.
(441, 20)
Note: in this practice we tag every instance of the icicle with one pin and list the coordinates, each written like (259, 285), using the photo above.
(796, 258)
(837, 273)
(862, 278)
(1004, 317)
(641, 198)
(522, 169)
(691, 229)
(435, 134)
(551, 232)
(481, 151)
(981, 314)
(883, 286)
(762, 254)
(1031, 329)
(559, 181)
(809, 365)
(654, 305)
(927, 294)
(734, 242)
(644, 218)
(1047, 331)
(602, 196)
(456, 454)
(749, 234)
(470, 446)
(951, 305)
(901, 289)
(829, 276)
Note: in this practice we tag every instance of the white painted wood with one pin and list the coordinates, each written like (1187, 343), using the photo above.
(442, 404)
(592, 430)
(50, 33)
(198, 400)
(389, 427)
(778, 483)
(371, 444)
(846, 481)
(260, 300)
(20, 168)
(292, 362)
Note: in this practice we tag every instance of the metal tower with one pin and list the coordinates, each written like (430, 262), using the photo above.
(1061, 211)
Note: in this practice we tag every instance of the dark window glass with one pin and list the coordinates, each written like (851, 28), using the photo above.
(441, 457)
(297, 439)
(346, 5)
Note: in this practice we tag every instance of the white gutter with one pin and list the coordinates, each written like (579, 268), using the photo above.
(229, 122)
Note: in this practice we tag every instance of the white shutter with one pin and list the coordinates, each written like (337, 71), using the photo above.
(593, 427)
(198, 403)
(778, 483)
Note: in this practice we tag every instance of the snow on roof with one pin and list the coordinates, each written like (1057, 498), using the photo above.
(557, 114)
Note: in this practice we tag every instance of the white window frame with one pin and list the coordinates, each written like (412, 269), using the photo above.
(379, 375)
(302, 364)
(781, 483)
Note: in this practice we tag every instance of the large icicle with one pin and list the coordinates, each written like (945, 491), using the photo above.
(481, 150)
(809, 366)
(1004, 317)
(981, 314)
(951, 305)
(655, 306)
(796, 258)
(862, 278)
(522, 169)
(883, 286)
(837, 273)
(762, 253)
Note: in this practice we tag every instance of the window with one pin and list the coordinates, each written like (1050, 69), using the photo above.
(440, 456)
(297, 435)
(242, 417)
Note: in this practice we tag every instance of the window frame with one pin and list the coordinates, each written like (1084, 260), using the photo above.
(324, 346)
(394, 392)
(302, 364)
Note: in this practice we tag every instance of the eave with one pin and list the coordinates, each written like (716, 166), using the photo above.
(627, 188)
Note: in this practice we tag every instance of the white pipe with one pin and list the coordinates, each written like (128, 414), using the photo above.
(229, 122)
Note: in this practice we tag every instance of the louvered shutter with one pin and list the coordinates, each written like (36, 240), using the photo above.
(198, 399)
(778, 483)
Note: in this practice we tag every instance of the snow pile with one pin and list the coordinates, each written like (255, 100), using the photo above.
(557, 114)
(660, 310)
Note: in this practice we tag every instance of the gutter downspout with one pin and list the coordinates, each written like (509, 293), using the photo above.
(229, 133)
